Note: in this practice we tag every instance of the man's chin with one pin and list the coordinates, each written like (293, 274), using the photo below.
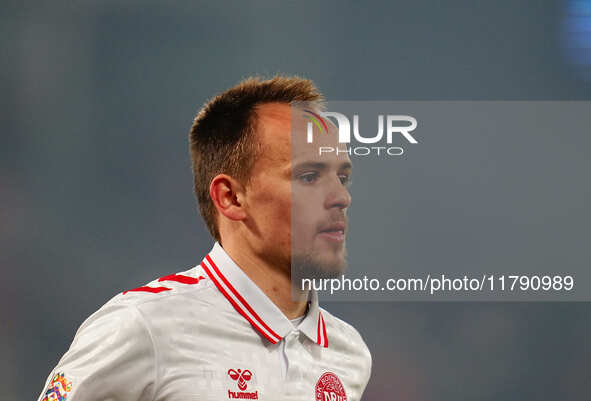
(307, 267)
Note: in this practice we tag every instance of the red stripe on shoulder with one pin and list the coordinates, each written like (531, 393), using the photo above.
(148, 289)
(180, 278)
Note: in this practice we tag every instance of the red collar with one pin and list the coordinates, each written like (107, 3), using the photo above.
(252, 303)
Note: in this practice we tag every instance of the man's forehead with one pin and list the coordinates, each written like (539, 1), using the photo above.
(324, 135)
(286, 115)
(284, 128)
(274, 113)
(273, 124)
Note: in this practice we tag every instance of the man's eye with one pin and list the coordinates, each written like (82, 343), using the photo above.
(308, 178)
(345, 179)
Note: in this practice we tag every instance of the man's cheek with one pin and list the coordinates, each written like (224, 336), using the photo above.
(303, 231)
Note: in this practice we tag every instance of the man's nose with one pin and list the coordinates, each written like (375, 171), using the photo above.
(338, 195)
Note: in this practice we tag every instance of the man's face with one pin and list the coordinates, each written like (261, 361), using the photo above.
(297, 199)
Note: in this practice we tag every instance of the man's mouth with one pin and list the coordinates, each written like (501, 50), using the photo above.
(334, 232)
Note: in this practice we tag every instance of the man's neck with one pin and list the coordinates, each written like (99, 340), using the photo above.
(274, 282)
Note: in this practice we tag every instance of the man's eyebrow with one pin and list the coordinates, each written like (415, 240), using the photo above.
(321, 166)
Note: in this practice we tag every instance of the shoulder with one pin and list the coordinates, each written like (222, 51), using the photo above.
(168, 303)
(165, 288)
(110, 339)
(340, 326)
(131, 329)
(345, 337)
(139, 309)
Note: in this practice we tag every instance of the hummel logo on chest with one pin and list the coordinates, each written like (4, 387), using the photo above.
(242, 377)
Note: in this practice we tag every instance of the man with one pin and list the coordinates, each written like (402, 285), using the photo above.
(234, 327)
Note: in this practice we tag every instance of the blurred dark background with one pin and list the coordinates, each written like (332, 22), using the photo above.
(95, 181)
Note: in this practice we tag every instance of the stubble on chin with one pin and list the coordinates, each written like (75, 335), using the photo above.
(308, 266)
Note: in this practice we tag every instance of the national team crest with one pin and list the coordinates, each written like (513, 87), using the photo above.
(330, 388)
(59, 387)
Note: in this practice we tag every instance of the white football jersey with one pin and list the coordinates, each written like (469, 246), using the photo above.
(209, 334)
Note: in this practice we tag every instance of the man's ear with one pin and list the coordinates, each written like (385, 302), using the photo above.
(226, 194)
